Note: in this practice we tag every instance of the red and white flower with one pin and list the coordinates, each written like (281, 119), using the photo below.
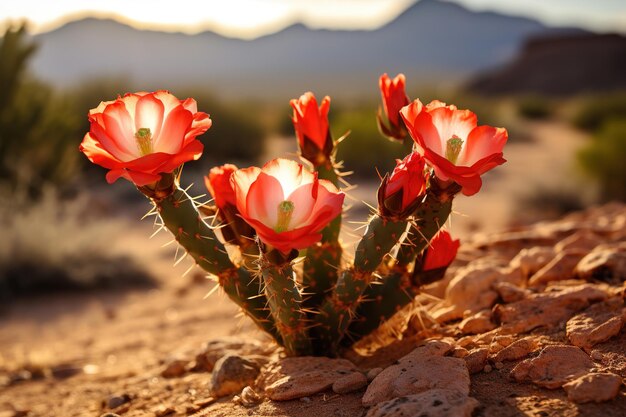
(453, 144)
(440, 252)
(285, 203)
(142, 135)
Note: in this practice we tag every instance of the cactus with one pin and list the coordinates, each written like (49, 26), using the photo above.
(180, 215)
(284, 300)
(321, 264)
(336, 312)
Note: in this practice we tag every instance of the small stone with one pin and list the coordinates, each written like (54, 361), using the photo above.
(510, 293)
(416, 374)
(547, 309)
(231, 374)
(596, 324)
(597, 355)
(605, 263)
(499, 365)
(517, 350)
(476, 360)
(477, 323)
(431, 403)
(109, 415)
(555, 366)
(65, 371)
(487, 369)
(162, 411)
(559, 268)
(305, 399)
(593, 387)
(115, 401)
(350, 383)
(373, 373)
(459, 352)
(216, 349)
(297, 377)
(175, 368)
(532, 259)
(249, 397)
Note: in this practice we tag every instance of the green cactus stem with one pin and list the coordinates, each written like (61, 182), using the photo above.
(321, 263)
(285, 302)
(180, 215)
(399, 288)
(337, 310)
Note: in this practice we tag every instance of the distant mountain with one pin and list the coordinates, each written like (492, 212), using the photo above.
(560, 66)
(429, 41)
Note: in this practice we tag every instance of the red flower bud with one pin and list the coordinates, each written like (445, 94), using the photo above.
(219, 185)
(401, 192)
(440, 252)
(311, 125)
(394, 98)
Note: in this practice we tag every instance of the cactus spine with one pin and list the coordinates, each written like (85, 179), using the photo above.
(380, 237)
(180, 215)
(284, 300)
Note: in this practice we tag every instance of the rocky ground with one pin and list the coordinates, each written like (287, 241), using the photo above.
(527, 323)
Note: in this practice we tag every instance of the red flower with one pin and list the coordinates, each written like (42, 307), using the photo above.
(394, 98)
(311, 125)
(286, 204)
(453, 144)
(219, 185)
(400, 192)
(441, 251)
(142, 135)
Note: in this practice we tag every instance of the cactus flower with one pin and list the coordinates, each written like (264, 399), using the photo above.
(219, 185)
(453, 144)
(142, 135)
(441, 251)
(286, 204)
(400, 192)
(394, 98)
(311, 125)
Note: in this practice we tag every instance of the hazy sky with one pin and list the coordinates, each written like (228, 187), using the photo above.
(250, 18)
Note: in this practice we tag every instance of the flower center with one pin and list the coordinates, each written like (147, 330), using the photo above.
(144, 141)
(285, 210)
(453, 148)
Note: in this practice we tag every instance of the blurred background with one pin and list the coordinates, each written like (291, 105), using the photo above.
(552, 73)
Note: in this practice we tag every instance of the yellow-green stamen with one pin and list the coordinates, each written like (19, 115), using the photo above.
(144, 140)
(453, 148)
(285, 210)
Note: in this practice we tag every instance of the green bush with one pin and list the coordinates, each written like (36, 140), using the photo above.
(595, 111)
(603, 159)
(534, 107)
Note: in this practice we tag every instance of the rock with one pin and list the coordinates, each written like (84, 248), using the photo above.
(215, 349)
(162, 411)
(429, 348)
(459, 352)
(64, 371)
(249, 397)
(373, 373)
(546, 309)
(593, 387)
(561, 267)
(604, 263)
(418, 372)
(596, 324)
(350, 383)
(582, 240)
(555, 366)
(478, 323)
(476, 360)
(471, 290)
(175, 368)
(115, 401)
(432, 403)
(298, 377)
(510, 293)
(517, 350)
(231, 374)
(109, 415)
(531, 260)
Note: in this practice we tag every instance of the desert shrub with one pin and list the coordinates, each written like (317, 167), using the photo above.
(595, 111)
(534, 107)
(364, 150)
(603, 159)
(38, 127)
(52, 245)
